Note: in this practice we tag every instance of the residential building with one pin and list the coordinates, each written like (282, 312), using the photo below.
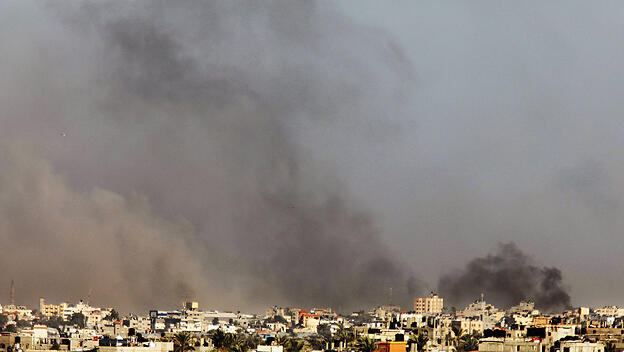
(430, 305)
(51, 310)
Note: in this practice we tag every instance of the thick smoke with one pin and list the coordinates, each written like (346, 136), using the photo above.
(157, 156)
(506, 278)
(63, 244)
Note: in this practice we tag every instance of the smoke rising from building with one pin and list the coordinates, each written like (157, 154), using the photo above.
(506, 278)
(153, 155)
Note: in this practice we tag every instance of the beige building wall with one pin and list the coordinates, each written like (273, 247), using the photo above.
(432, 304)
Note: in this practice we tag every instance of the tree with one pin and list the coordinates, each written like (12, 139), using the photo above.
(316, 343)
(55, 346)
(23, 323)
(365, 344)
(458, 332)
(419, 340)
(324, 331)
(345, 335)
(183, 342)
(609, 346)
(281, 340)
(468, 343)
(244, 342)
(53, 322)
(294, 345)
(448, 339)
(78, 319)
(221, 340)
(3, 320)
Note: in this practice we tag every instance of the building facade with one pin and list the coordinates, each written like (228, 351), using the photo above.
(431, 305)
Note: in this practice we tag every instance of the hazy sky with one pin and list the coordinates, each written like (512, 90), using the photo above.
(516, 134)
(229, 148)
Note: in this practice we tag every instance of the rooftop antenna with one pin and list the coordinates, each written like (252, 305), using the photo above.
(482, 300)
(12, 292)
(390, 295)
(89, 295)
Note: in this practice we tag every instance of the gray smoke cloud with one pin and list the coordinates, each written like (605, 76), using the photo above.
(61, 243)
(506, 277)
(154, 154)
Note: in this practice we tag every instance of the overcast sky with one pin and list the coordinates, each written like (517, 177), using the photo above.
(437, 129)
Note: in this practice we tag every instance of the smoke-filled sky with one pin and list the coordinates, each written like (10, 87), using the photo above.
(247, 154)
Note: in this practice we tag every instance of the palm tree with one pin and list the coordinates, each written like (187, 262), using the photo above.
(293, 345)
(316, 343)
(183, 342)
(458, 332)
(365, 344)
(344, 335)
(239, 343)
(238, 348)
(281, 340)
(448, 339)
(609, 346)
(419, 340)
(220, 340)
(252, 341)
(468, 343)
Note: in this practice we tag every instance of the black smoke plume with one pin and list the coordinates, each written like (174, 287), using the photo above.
(506, 277)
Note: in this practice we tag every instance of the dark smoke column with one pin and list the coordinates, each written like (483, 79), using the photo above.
(506, 277)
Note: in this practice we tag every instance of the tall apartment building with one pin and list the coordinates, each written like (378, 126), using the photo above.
(432, 304)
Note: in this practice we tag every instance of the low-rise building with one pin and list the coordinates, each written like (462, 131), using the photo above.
(511, 345)
(580, 346)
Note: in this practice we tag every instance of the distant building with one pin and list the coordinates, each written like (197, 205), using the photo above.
(50, 310)
(17, 312)
(270, 348)
(92, 314)
(483, 311)
(191, 306)
(384, 312)
(524, 307)
(583, 311)
(579, 346)
(469, 326)
(511, 345)
(432, 304)
(612, 311)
